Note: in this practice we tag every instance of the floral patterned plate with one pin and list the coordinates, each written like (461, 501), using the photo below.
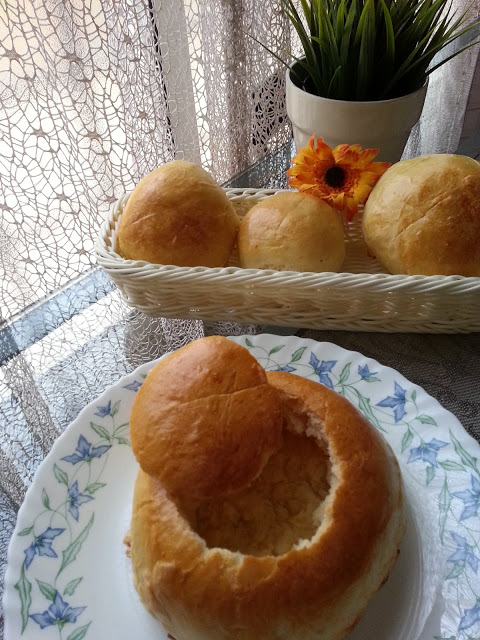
(68, 577)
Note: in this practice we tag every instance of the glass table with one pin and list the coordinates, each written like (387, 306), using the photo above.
(62, 353)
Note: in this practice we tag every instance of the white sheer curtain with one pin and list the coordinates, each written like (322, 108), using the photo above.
(95, 93)
(440, 127)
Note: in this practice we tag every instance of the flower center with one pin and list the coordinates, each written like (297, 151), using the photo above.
(335, 177)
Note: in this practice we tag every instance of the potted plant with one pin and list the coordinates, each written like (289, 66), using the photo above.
(363, 75)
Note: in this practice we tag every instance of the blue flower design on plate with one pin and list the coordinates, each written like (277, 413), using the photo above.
(470, 498)
(42, 545)
(286, 368)
(395, 402)
(58, 613)
(365, 373)
(75, 499)
(463, 553)
(322, 369)
(102, 412)
(469, 618)
(133, 386)
(427, 452)
(85, 451)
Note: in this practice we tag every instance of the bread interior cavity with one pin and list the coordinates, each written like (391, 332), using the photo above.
(283, 507)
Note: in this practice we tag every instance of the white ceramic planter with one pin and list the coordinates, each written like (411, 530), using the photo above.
(385, 124)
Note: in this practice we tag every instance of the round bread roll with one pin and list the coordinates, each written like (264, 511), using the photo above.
(291, 232)
(212, 405)
(423, 216)
(298, 551)
(178, 215)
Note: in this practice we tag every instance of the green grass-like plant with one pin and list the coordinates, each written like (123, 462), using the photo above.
(371, 49)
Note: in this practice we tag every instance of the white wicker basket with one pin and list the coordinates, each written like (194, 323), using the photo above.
(361, 298)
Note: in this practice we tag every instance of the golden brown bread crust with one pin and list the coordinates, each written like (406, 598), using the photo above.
(318, 588)
(291, 232)
(178, 215)
(209, 401)
(423, 217)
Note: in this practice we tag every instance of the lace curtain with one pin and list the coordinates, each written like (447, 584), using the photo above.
(95, 93)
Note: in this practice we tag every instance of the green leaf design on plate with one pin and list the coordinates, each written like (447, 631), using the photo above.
(121, 440)
(457, 569)
(26, 531)
(430, 473)
(275, 349)
(95, 486)
(24, 588)
(450, 465)
(115, 408)
(72, 550)
(465, 457)
(71, 586)
(414, 395)
(407, 439)
(60, 475)
(79, 633)
(364, 406)
(248, 342)
(371, 379)
(444, 501)
(345, 373)
(48, 591)
(296, 355)
(101, 431)
(426, 420)
(45, 500)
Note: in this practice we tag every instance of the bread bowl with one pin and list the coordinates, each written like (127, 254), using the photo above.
(297, 552)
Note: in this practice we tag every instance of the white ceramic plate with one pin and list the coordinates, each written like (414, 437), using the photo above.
(68, 576)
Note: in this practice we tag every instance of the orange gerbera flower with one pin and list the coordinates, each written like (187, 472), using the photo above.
(343, 176)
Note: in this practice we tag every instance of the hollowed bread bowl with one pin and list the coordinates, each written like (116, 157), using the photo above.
(266, 506)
